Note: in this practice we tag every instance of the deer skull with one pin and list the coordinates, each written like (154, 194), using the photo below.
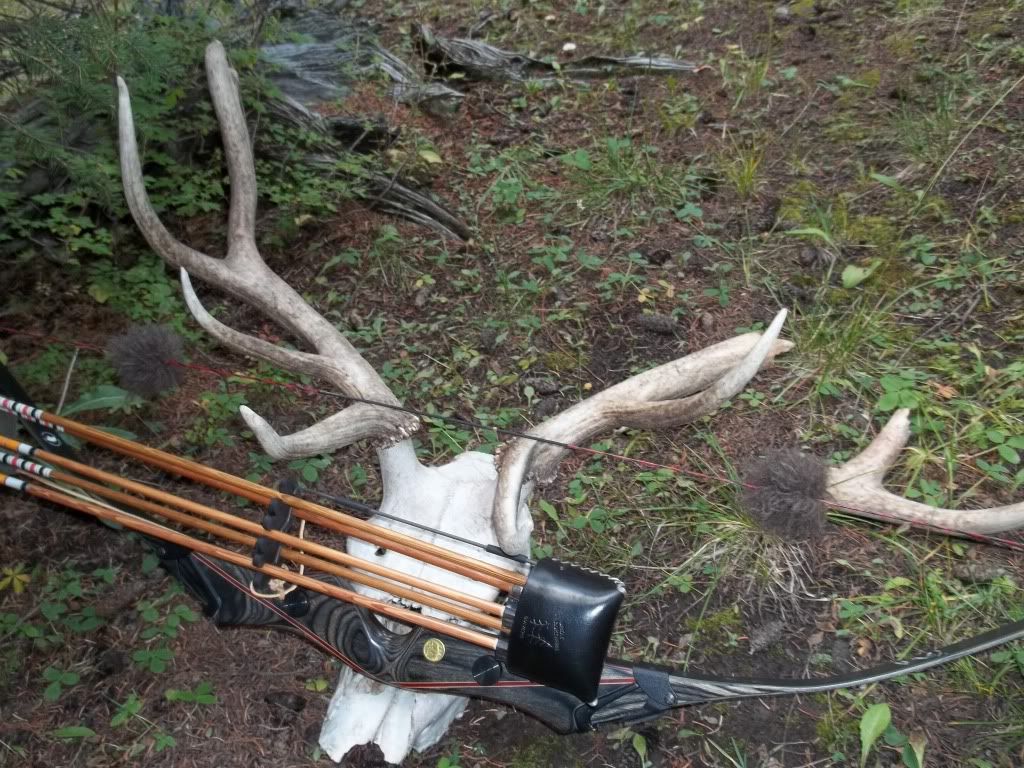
(454, 497)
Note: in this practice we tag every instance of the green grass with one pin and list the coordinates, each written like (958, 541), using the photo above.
(899, 155)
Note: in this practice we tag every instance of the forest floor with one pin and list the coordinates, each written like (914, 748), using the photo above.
(859, 163)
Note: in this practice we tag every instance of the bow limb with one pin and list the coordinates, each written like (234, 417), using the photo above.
(657, 690)
(628, 693)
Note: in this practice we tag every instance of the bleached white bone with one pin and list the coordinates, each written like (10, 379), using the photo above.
(857, 487)
(455, 497)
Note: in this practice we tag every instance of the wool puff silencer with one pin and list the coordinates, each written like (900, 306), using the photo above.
(784, 492)
(147, 359)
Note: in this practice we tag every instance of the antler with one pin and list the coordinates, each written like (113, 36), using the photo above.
(244, 274)
(670, 395)
(858, 484)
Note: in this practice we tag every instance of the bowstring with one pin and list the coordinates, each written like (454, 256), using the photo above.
(309, 390)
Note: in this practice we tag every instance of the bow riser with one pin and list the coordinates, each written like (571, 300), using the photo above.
(418, 660)
(415, 660)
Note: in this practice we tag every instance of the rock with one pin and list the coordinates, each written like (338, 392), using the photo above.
(36, 180)
(783, 13)
(311, 736)
(284, 707)
(488, 340)
(665, 325)
(978, 573)
(797, 294)
(816, 258)
(542, 385)
(287, 700)
(655, 256)
(707, 322)
(111, 662)
(765, 221)
(547, 407)
(842, 655)
(422, 296)
(809, 256)
(765, 635)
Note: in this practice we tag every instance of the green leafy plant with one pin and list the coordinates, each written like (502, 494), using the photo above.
(143, 292)
(873, 723)
(218, 411)
(126, 711)
(71, 62)
(639, 744)
(911, 747)
(900, 391)
(317, 684)
(506, 196)
(720, 291)
(12, 624)
(1013, 657)
(854, 274)
(449, 761)
(58, 680)
(201, 694)
(72, 733)
(169, 625)
(155, 660)
(162, 741)
(105, 397)
(164, 618)
(310, 469)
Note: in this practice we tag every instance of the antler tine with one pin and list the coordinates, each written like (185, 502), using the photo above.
(670, 395)
(244, 274)
(857, 484)
(356, 422)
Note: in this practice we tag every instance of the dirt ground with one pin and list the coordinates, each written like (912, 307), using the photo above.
(792, 106)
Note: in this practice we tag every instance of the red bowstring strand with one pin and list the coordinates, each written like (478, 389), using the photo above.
(53, 339)
(310, 390)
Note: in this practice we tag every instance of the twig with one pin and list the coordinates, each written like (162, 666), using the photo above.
(949, 158)
(485, 19)
(969, 311)
(807, 105)
(67, 382)
(390, 185)
(971, 304)
(956, 29)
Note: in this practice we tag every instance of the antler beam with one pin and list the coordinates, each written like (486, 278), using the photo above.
(670, 395)
(857, 485)
(244, 274)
